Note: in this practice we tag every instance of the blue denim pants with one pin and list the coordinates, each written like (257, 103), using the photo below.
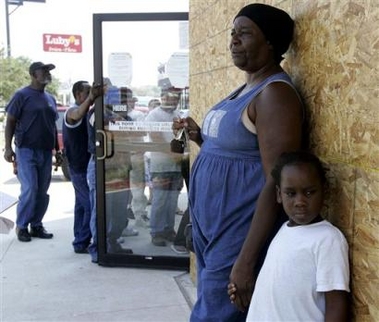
(91, 180)
(116, 218)
(82, 210)
(34, 168)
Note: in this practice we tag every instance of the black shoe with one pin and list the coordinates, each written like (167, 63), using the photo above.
(158, 241)
(23, 235)
(117, 249)
(124, 251)
(40, 232)
(81, 250)
(170, 235)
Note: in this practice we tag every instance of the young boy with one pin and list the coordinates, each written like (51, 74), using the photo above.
(305, 276)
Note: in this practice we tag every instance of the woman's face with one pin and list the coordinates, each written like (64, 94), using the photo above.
(248, 46)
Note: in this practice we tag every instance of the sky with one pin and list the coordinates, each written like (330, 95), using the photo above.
(30, 21)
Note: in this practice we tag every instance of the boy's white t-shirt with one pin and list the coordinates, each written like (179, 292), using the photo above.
(302, 262)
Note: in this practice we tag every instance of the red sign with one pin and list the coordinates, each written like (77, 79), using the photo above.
(62, 43)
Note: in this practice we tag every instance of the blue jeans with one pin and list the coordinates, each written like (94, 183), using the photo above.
(34, 173)
(91, 180)
(116, 218)
(82, 210)
(166, 189)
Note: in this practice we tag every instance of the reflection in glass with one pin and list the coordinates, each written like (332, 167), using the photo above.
(146, 198)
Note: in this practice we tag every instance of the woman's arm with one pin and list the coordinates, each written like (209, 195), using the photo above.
(277, 115)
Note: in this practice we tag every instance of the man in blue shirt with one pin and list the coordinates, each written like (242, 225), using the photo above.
(31, 116)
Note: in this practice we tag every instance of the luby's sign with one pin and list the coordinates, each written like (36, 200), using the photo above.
(62, 43)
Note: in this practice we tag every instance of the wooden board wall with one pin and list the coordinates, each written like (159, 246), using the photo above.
(334, 62)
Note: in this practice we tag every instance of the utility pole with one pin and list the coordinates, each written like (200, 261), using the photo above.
(7, 14)
(7, 26)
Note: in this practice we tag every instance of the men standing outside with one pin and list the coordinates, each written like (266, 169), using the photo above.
(75, 139)
(31, 116)
(166, 174)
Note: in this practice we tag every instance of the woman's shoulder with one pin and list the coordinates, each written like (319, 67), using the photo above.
(279, 80)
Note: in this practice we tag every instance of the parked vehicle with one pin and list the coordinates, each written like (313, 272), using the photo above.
(62, 162)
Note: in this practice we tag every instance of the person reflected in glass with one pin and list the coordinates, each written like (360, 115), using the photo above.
(153, 103)
(138, 202)
(165, 172)
(116, 201)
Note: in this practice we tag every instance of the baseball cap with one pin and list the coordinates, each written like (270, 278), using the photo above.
(39, 65)
(171, 91)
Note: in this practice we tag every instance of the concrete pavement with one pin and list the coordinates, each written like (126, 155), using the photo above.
(44, 280)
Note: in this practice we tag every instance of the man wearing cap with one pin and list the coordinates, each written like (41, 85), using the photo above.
(31, 116)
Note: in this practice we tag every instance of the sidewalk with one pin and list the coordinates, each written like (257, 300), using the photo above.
(44, 280)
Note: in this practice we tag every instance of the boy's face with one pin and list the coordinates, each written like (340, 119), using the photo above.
(301, 193)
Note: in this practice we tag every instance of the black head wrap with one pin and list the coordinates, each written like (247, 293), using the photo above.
(275, 24)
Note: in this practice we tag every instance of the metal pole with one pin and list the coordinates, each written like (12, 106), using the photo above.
(8, 31)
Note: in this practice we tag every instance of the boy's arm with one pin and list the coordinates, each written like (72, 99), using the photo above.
(336, 306)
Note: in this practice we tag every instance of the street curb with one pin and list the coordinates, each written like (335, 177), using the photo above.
(187, 288)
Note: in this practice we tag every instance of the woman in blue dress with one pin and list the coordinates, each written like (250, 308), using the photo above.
(232, 196)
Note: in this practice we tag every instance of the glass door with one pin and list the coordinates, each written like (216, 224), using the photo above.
(142, 59)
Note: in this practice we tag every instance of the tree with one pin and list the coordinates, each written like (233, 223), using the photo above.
(14, 74)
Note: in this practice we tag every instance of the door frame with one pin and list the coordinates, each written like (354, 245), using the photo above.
(104, 258)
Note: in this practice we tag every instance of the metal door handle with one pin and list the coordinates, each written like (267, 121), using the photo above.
(98, 144)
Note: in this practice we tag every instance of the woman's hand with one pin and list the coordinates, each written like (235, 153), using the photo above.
(190, 126)
(240, 288)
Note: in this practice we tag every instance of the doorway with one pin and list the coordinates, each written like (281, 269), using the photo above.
(142, 59)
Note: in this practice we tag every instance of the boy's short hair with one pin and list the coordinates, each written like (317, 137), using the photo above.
(297, 157)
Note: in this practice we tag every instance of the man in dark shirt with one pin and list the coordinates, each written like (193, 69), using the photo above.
(31, 116)
(75, 139)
